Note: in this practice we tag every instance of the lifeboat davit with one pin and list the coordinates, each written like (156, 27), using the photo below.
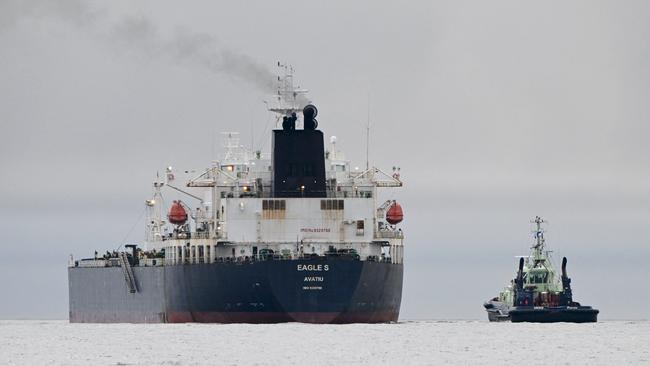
(177, 214)
(395, 215)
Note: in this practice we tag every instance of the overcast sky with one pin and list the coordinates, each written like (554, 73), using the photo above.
(496, 112)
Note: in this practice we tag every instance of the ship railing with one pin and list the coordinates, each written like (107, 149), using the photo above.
(281, 257)
(151, 262)
(159, 262)
(342, 192)
(349, 193)
(389, 234)
(201, 235)
(92, 263)
(187, 235)
(379, 259)
(115, 262)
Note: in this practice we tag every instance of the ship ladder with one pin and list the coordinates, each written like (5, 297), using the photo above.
(129, 277)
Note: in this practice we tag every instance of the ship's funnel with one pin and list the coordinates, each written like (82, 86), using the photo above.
(299, 159)
(564, 267)
(289, 122)
(309, 114)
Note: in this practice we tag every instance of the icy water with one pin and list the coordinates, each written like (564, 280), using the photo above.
(406, 343)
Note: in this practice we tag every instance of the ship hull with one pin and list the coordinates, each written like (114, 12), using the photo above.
(325, 290)
(497, 311)
(580, 314)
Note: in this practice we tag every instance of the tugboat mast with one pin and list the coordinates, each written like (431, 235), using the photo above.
(538, 248)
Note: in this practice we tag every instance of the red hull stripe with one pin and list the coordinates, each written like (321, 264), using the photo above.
(263, 317)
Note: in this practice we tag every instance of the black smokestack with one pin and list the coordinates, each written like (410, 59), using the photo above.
(309, 114)
(299, 158)
(520, 275)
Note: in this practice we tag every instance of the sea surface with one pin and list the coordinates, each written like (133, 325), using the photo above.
(404, 343)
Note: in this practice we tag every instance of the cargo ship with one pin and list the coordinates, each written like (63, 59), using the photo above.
(537, 294)
(297, 235)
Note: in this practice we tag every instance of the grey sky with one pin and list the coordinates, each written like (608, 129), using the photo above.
(496, 111)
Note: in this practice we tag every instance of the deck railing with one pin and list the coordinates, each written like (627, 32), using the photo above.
(158, 262)
(279, 257)
(389, 234)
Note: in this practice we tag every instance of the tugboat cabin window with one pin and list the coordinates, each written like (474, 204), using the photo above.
(538, 278)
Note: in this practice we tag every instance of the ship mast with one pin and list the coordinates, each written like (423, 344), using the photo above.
(368, 136)
(538, 248)
(288, 98)
(155, 222)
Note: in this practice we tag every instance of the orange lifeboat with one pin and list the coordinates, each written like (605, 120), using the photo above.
(395, 215)
(177, 214)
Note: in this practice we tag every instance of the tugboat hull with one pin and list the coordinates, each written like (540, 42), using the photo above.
(496, 316)
(579, 314)
(497, 311)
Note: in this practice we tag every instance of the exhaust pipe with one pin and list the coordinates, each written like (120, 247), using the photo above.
(520, 274)
(567, 294)
(521, 298)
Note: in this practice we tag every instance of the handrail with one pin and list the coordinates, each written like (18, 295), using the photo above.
(388, 234)
(159, 262)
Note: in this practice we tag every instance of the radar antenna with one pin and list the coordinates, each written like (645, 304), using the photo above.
(539, 233)
(288, 98)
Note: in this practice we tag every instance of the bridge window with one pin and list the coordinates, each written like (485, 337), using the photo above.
(360, 227)
(274, 209)
(274, 204)
(331, 204)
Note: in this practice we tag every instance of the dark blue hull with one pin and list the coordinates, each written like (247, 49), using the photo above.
(579, 314)
(328, 290)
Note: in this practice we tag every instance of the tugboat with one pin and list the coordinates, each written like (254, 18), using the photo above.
(537, 294)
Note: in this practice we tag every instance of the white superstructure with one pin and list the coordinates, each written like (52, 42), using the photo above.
(235, 216)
